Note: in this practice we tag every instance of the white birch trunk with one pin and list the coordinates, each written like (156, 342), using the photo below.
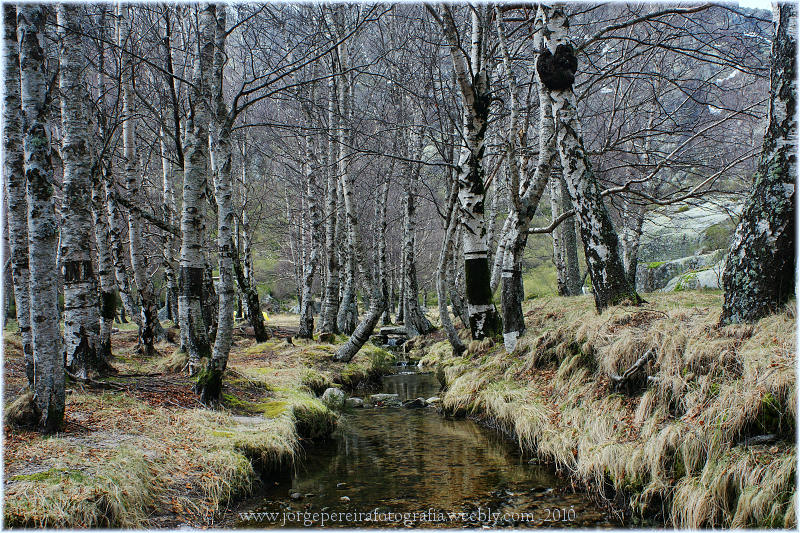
(149, 327)
(330, 306)
(306, 328)
(81, 318)
(14, 179)
(760, 269)
(609, 283)
(473, 79)
(194, 336)
(48, 354)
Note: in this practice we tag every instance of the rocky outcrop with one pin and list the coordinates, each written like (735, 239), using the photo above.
(681, 231)
(706, 278)
(651, 277)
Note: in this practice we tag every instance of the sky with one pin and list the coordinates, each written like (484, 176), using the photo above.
(756, 4)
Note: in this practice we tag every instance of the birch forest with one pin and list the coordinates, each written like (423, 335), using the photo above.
(399, 265)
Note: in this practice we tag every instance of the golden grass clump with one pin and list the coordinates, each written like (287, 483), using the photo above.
(678, 439)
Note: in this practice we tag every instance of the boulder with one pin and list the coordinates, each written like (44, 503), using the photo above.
(651, 277)
(333, 398)
(707, 278)
(386, 400)
(682, 230)
(354, 403)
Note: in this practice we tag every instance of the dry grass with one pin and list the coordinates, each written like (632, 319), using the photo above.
(673, 444)
(129, 459)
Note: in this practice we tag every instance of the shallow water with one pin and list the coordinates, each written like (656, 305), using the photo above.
(396, 467)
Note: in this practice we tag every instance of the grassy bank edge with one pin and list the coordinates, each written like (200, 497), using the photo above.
(670, 449)
(140, 462)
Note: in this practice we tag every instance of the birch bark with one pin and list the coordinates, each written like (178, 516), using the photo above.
(609, 283)
(194, 336)
(149, 327)
(760, 269)
(473, 80)
(81, 318)
(14, 174)
(48, 355)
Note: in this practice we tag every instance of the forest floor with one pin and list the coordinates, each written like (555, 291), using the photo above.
(139, 450)
(707, 440)
(702, 436)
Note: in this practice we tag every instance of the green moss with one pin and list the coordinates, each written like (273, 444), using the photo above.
(718, 236)
(655, 264)
(683, 283)
(54, 475)
(272, 409)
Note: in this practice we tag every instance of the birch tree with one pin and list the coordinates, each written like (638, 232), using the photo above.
(415, 321)
(209, 384)
(14, 179)
(149, 328)
(194, 336)
(306, 328)
(556, 67)
(48, 355)
(473, 80)
(759, 271)
(81, 317)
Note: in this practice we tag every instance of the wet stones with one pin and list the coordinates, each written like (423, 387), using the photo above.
(333, 398)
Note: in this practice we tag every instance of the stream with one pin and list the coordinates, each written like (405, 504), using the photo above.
(397, 467)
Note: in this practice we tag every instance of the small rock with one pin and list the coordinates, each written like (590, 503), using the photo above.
(341, 485)
(417, 403)
(296, 496)
(387, 400)
(333, 398)
(344, 499)
(354, 403)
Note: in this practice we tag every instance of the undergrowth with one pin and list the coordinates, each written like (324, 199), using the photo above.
(675, 442)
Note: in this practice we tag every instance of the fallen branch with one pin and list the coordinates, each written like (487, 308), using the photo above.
(619, 380)
(95, 383)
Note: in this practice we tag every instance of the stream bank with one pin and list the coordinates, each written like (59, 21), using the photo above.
(138, 450)
(702, 436)
(395, 466)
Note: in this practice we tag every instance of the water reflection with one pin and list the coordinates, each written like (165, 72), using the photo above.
(403, 461)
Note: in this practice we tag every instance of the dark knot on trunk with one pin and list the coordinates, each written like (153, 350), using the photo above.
(557, 71)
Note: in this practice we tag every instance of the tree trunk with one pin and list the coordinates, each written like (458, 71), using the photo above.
(105, 258)
(364, 329)
(445, 258)
(473, 79)
(569, 244)
(81, 318)
(168, 209)
(347, 318)
(116, 227)
(194, 336)
(330, 304)
(105, 270)
(306, 329)
(609, 283)
(633, 219)
(209, 383)
(759, 271)
(48, 357)
(415, 321)
(565, 251)
(14, 171)
(150, 328)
